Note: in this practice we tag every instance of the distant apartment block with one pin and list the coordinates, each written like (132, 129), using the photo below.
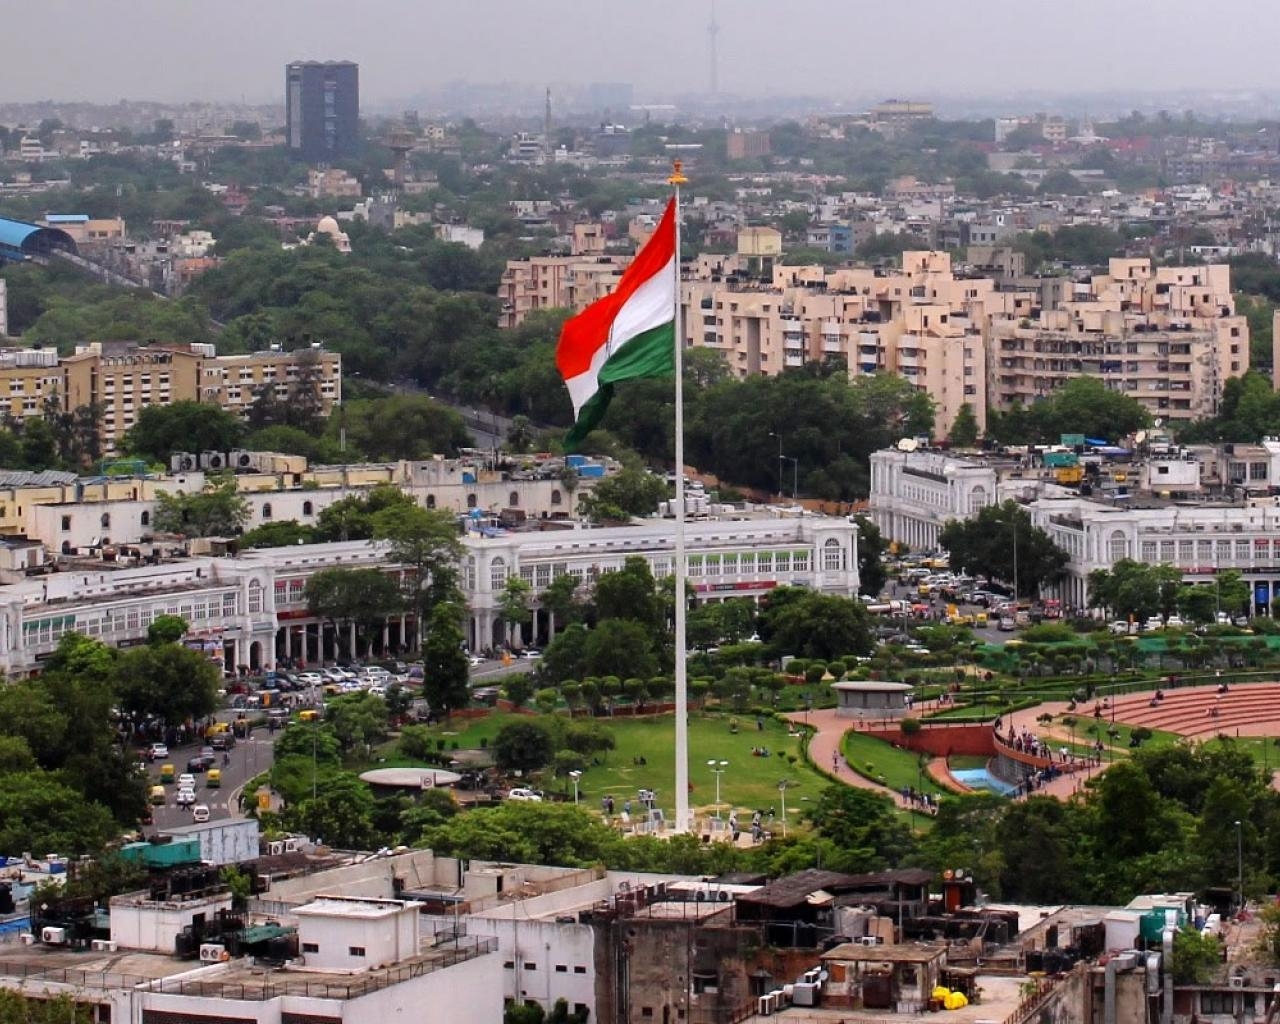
(894, 116)
(86, 230)
(745, 145)
(322, 110)
(122, 379)
(332, 183)
(1166, 336)
(560, 282)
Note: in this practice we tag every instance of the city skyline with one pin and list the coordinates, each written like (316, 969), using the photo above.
(968, 48)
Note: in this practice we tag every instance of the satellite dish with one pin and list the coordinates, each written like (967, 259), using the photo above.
(1159, 421)
(1139, 437)
(908, 444)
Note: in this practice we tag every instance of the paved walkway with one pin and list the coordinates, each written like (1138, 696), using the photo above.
(828, 730)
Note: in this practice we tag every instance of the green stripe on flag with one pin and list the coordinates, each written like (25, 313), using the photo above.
(649, 354)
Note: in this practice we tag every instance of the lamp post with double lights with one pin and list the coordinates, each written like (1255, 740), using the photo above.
(717, 769)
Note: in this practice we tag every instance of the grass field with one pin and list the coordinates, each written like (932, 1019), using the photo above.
(748, 782)
(890, 765)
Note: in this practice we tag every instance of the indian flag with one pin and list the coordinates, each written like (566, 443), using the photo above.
(627, 334)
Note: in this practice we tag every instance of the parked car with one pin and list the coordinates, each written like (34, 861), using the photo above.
(158, 751)
(531, 654)
(531, 795)
(223, 741)
(200, 763)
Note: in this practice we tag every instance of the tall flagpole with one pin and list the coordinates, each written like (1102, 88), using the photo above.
(682, 823)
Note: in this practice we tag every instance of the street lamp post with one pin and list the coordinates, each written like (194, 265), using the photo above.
(1239, 867)
(782, 790)
(717, 769)
(780, 458)
(575, 776)
(795, 474)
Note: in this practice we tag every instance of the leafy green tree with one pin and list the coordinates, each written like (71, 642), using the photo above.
(167, 681)
(403, 427)
(353, 518)
(631, 491)
(630, 593)
(194, 427)
(812, 625)
(340, 815)
(426, 542)
(964, 429)
(364, 598)
(513, 603)
(862, 825)
(38, 812)
(995, 538)
(872, 548)
(562, 600)
(1084, 405)
(279, 534)
(1135, 590)
(166, 629)
(1195, 957)
(566, 656)
(357, 720)
(524, 746)
(445, 666)
(618, 646)
(217, 511)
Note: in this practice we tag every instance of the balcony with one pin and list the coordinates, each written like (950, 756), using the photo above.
(794, 359)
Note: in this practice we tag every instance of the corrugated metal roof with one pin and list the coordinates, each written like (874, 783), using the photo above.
(26, 478)
(66, 218)
(14, 232)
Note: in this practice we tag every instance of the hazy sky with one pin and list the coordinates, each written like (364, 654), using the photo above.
(106, 50)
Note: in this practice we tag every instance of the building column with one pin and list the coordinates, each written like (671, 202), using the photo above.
(351, 639)
(386, 636)
(551, 626)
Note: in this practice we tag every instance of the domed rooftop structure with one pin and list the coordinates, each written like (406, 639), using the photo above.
(329, 226)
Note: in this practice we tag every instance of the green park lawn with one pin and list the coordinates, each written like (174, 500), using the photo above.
(890, 765)
(748, 782)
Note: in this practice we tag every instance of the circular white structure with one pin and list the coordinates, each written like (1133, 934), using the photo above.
(410, 778)
(872, 698)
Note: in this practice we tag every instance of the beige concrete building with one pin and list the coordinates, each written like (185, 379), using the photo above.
(746, 145)
(1168, 337)
(123, 378)
(560, 282)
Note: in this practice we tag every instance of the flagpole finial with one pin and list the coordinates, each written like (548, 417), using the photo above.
(677, 173)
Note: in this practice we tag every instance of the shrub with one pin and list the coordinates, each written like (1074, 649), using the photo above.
(815, 672)
(910, 726)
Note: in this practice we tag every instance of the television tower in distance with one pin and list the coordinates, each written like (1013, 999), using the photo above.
(713, 30)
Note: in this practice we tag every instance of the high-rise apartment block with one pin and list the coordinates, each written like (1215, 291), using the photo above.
(322, 109)
(988, 336)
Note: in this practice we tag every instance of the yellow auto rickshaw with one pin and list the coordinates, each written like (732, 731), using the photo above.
(166, 774)
(213, 778)
(157, 795)
(309, 715)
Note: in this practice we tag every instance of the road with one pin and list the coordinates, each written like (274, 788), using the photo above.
(250, 757)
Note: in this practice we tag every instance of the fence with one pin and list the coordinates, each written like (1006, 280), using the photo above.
(97, 980)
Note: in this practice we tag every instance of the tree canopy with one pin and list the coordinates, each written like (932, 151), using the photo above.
(999, 538)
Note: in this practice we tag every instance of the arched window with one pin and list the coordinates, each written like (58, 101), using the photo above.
(497, 574)
(513, 499)
(555, 497)
(832, 555)
(471, 501)
(106, 519)
(977, 499)
(146, 518)
(431, 501)
(1118, 545)
(307, 508)
(266, 510)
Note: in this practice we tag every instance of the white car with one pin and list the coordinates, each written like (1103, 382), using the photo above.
(186, 781)
(186, 797)
(200, 813)
(475, 660)
(158, 751)
(530, 654)
(531, 795)
(1122, 628)
(310, 678)
(1174, 621)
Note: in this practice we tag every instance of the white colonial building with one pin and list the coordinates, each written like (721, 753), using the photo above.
(251, 610)
(915, 493)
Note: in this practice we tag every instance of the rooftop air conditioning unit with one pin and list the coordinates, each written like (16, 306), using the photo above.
(212, 952)
(243, 460)
(213, 460)
(870, 940)
(182, 462)
(54, 936)
(27, 939)
(275, 847)
(290, 845)
(1237, 982)
(98, 945)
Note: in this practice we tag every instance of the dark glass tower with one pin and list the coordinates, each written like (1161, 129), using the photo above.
(322, 109)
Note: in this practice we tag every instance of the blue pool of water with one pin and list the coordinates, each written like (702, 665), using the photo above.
(980, 778)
